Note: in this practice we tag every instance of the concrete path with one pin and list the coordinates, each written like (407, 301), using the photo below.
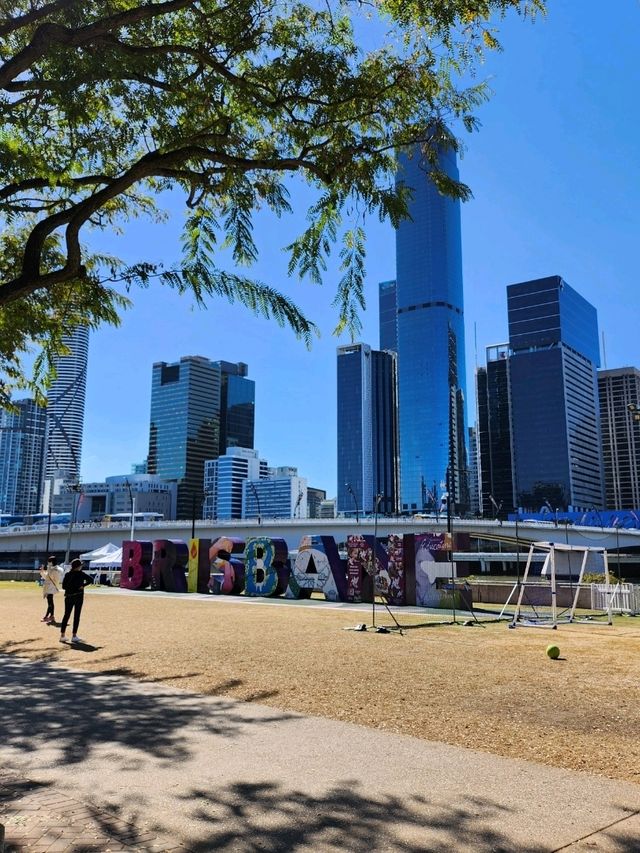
(126, 765)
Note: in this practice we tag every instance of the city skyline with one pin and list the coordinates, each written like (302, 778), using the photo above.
(544, 202)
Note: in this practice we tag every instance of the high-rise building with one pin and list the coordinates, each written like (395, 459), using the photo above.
(282, 494)
(388, 310)
(237, 406)
(430, 339)
(384, 430)
(65, 409)
(22, 442)
(224, 478)
(474, 492)
(367, 430)
(496, 474)
(555, 419)
(185, 426)
(315, 497)
(619, 394)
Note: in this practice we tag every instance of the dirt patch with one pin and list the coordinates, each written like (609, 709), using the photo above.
(488, 688)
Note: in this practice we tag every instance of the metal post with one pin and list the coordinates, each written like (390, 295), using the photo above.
(374, 561)
(255, 494)
(450, 534)
(355, 500)
(75, 488)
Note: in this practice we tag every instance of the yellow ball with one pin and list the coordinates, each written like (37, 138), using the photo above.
(553, 652)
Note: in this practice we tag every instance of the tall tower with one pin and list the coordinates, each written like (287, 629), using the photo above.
(237, 406)
(65, 409)
(367, 429)
(185, 426)
(430, 336)
(22, 441)
(619, 393)
(554, 355)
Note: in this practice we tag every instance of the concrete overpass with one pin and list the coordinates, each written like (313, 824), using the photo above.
(26, 545)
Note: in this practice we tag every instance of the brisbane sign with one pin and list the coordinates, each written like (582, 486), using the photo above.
(404, 569)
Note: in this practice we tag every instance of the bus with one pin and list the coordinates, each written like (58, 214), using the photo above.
(6, 519)
(125, 517)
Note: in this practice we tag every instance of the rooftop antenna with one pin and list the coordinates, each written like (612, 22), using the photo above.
(475, 342)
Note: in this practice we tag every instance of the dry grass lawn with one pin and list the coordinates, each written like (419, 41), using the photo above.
(488, 688)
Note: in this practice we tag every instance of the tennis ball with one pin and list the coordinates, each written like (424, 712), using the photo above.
(553, 652)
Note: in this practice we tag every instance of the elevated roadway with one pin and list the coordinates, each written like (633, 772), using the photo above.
(28, 544)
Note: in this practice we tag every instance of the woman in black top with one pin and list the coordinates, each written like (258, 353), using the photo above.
(73, 585)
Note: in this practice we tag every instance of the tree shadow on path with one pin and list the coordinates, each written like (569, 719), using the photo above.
(79, 712)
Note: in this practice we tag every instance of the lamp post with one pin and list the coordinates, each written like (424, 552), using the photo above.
(374, 562)
(349, 488)
(132, 500)
(296, 509)
(255, 494)
(203, 496)
(76, 488)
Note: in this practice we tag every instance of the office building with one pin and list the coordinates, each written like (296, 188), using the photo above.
(65, 410)
(315, 497)
(430, 339)
(22, 443)
(282, 494)
(474, 491)
(224, 478)
(185, 427)
(495, 470)
(619, 395)
(388, 311)
(237, 406)
(367, 430)
(118, 494)
(555, 418)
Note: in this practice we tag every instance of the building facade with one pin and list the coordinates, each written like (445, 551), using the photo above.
(619, 396)
(118, 494)
(237, 406)
(495, 470)
(22, 444)
(555, 417)
(185, 427)
(65, 410)
(430, 339)
(388, 311)
(282, 494)
(368, 456)
(315, 497)
(224, 478)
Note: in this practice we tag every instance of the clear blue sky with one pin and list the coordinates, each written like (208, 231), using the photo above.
(554, 172)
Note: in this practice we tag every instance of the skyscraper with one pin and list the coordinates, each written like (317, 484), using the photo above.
(430, 339)
(185, 426)
(65, 409)
(496, 475)
(553, 338)
(22, 441)
(619, 394)
(387, 304)
(237, 406)
(223, 481)
(367, 429)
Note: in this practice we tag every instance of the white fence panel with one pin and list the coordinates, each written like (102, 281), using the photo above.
(623, 597)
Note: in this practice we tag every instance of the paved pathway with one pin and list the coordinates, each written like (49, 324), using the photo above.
(101, 762)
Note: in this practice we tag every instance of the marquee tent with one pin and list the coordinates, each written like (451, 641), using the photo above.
(108, 561)
(98, 553)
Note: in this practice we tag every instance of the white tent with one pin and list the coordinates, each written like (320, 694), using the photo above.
(108, 561)
(98, 553)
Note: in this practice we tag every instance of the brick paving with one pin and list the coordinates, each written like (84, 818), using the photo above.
(37, 819)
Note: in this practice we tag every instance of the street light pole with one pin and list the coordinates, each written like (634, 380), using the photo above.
(374, 561)
(255, 494)
(133, 508)
(349, 488)
(75, 488)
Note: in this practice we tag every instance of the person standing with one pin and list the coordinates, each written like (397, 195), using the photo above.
(51, 579)
(73, 585)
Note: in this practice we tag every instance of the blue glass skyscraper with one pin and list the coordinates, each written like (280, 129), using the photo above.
(553, 336)
(430, 339)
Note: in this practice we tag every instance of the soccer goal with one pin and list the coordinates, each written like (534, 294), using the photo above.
(544, 602)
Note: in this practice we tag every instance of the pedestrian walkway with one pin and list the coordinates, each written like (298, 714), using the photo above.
(104, 762)
(40, 820)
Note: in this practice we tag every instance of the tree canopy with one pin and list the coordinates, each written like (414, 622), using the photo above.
(105, 105)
